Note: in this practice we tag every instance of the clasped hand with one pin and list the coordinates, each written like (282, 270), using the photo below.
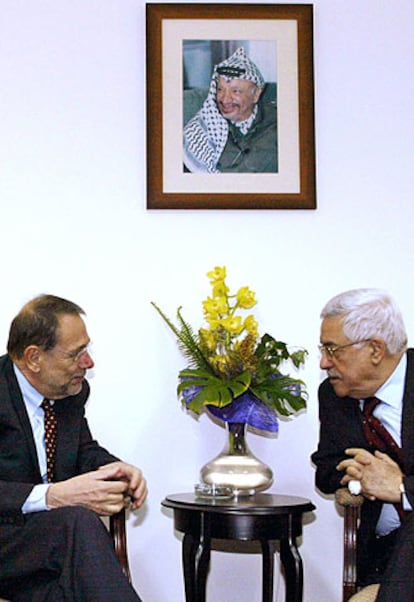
(379, 475)
(105, 491)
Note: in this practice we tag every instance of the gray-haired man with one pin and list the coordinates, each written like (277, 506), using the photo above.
(370, 380)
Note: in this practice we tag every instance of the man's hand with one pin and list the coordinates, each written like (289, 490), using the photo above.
(137, 485)
(105, 491)
(379, 475)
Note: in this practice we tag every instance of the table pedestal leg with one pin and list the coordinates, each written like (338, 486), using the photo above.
(267, 570)
(196, 560)
(292, 566)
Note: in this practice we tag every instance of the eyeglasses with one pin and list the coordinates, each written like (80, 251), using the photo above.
(330, 350)
(75, 356)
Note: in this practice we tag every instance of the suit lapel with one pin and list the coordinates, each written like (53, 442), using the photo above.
(17, 402)
(407, 434)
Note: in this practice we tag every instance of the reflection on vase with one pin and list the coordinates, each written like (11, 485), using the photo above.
(237, 466)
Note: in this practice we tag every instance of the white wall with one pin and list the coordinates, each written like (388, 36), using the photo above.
(73, 222)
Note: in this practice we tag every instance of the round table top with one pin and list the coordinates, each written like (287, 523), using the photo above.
(260, 503)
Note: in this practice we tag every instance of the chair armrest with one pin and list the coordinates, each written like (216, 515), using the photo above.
(351, 505)
(344, 498)
(118, 532)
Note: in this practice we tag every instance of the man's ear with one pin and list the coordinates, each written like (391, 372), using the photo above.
(31, 356)
(257, 94)
(378, 350)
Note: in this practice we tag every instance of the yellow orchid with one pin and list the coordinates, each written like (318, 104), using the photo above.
(220, 289)
(232, 324)
(219, 273)
(213, 322)
(245, 297)
(215, 306)
(251, 325)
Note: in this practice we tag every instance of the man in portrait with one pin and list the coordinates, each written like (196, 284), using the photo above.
(235, 130)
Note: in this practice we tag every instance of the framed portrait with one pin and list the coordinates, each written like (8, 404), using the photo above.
(230, 106)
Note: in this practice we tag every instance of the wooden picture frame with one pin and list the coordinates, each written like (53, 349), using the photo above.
(174, 28)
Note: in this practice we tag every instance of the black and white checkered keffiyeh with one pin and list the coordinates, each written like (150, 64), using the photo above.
(205, 135)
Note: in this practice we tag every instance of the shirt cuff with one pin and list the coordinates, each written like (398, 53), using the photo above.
(36, 501)
(405, 503)
(404, 499)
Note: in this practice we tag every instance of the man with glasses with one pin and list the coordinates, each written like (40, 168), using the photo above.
(55, 479)
(364, 352)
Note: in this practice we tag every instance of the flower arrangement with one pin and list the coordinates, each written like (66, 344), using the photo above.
(234, 373)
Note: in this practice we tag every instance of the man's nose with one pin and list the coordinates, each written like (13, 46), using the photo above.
(85, 361)
(325, 362)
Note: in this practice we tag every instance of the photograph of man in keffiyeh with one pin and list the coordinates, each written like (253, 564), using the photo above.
(235, 130)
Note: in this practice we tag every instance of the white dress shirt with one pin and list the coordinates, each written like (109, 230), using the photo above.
(36, 500)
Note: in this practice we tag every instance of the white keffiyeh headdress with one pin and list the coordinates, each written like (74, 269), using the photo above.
(205, 135)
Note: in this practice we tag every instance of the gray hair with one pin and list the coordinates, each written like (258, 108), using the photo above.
(369, 313)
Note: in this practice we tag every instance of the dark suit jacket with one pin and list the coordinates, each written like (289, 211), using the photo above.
(76, 451)
(341, 427)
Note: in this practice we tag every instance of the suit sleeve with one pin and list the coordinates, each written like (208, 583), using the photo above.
(340, 428)
(408, 428)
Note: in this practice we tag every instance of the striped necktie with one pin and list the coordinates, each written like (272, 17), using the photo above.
(379, 438)
(50, 437)
(376, 433)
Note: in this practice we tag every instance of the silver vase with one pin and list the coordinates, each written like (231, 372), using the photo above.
(236, 466)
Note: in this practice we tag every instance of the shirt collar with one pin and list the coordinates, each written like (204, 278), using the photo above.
(392, 391)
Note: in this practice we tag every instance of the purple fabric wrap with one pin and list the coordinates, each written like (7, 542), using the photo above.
(247, 409)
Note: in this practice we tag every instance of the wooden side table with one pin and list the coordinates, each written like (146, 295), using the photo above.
(264, 517)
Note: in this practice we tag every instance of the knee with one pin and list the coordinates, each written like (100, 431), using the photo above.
(79, 518)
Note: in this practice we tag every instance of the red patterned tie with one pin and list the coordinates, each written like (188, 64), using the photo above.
(50, 437)
(379, 438)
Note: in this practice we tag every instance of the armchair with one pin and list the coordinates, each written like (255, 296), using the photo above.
(351, 505)
(118, 533)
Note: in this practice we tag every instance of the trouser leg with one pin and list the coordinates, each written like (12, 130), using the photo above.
(398, 579)
(63, 555)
